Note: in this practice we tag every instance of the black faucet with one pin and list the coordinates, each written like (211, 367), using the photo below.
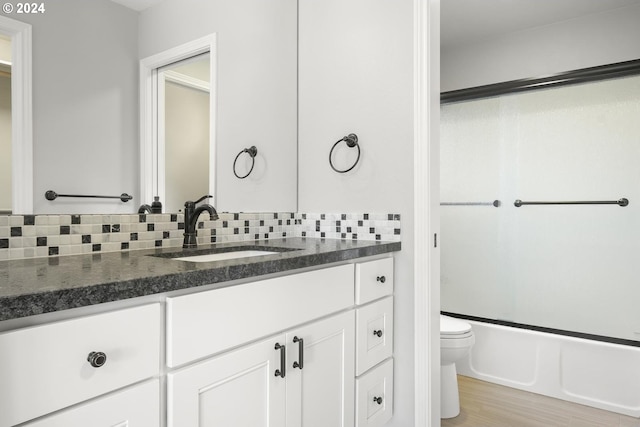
(144, 209)
(191, 214)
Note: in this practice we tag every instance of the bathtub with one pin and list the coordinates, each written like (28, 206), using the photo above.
(593, 373)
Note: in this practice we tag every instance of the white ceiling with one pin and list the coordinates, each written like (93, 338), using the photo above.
(138, 5)
(464, 20)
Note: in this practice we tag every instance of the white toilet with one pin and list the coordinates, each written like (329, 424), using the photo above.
(456, 339)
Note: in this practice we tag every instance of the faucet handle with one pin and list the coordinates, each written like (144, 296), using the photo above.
(202, 198)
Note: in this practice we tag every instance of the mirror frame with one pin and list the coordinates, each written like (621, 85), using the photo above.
(150, 154)
(21, 115)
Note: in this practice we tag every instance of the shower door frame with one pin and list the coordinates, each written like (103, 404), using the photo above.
(584, 75)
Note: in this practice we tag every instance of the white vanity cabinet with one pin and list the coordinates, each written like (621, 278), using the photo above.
(309, 349)
(303, 377)
(327, 361)
(53, 366)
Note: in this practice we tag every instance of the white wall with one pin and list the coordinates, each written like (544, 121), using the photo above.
(588, 41)
(256, 90)
(356, 62)
(85, 104)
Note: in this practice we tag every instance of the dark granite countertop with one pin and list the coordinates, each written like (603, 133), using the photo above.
(43, 285)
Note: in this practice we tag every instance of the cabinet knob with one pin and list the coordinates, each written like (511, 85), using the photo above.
(381, 279)
(97, 359)
(378, 333)
(378, 400)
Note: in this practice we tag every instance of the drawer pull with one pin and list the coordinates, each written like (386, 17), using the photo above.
(378, 333)
(283, 360)
(97, 359)
(381, 279)
(378, 400)
(300, 342)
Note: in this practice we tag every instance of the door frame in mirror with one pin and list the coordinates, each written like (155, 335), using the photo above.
(21, 115)
(150, 184)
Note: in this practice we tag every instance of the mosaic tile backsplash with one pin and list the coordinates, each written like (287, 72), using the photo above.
(30, 236)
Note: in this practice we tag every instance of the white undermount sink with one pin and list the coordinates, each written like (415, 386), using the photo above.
(224, 256)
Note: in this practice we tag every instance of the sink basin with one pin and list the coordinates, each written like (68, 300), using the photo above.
(224, 256)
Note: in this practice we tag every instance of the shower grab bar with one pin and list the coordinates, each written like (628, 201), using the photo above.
(495, 203)
(621, 202)
(52, 195)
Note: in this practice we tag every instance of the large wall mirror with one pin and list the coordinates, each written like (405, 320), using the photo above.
(16, 163)
(87, 125)
(5, 125)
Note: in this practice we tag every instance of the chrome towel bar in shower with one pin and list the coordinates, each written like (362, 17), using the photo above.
(52, 195)
(495, 203)
(621, 202)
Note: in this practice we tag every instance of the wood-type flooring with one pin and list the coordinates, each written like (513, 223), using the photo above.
(485, 404)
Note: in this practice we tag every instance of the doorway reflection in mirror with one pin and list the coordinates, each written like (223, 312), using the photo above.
(5, 125)
(184, 129)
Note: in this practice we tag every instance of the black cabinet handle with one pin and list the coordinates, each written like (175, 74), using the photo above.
(97, 359)
(283, 360)
(378, 333)
(381, 279)
(378, 400)
(300, 342)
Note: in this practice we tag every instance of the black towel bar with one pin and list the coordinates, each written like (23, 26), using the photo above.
(620, 202)
(52, 195)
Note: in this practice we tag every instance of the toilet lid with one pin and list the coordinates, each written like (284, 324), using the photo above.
(453, 326)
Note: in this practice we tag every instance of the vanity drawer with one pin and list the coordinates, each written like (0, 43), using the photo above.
(374, 396)
(46, 368)
(135, 406)
(374, 334)
(374, 279)
(206, 323)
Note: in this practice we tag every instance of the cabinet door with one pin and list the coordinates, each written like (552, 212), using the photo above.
(321, 394)
(136, 406)
(238, 389)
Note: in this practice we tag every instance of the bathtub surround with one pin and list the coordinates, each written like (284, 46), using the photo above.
(598, 374)
(34, 236)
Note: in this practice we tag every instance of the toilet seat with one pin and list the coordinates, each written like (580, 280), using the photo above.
(452, 328)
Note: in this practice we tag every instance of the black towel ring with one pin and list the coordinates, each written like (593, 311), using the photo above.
(352, 141)
(252, 152)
